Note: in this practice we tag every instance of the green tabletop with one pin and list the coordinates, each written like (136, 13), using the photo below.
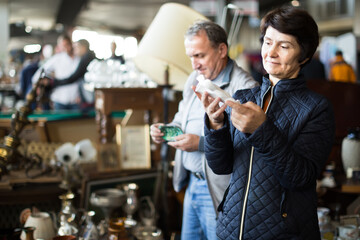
(53, 115)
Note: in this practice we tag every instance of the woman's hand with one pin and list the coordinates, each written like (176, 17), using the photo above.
(212, 109)
(155, 133)
(246, 117)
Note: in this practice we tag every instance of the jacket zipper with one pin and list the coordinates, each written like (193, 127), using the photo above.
(246, 195)
(250, 172)
(271, 97)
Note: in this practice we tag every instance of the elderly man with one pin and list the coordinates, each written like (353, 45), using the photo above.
(206, 45)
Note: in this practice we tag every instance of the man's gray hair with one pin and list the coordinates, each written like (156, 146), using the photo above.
(215, 33)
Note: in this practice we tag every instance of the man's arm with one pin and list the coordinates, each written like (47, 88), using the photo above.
(79, 72)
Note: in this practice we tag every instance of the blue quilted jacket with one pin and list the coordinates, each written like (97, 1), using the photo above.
(272, 191)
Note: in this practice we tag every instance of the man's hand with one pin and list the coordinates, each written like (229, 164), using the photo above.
(212, 109)
(246, 117)
(155, 133)
(186, 142)
(45, 81)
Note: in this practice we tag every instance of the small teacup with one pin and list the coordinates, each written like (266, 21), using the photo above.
(44, 225)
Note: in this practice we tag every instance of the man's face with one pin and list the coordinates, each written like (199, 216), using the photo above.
(205, 59)
(66, 46)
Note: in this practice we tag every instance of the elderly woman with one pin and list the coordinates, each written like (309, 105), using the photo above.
(274, 140)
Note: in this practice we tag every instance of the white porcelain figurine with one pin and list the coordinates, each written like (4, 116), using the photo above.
(213, 90)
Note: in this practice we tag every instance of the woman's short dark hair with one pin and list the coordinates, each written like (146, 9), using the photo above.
(84, 43)
(214, 32)
(295, 22)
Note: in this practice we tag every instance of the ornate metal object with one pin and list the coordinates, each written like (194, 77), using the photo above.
(10, 157)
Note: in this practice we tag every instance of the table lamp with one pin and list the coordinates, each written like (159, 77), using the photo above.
(162, 46)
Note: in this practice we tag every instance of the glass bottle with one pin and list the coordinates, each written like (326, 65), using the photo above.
(132, 203)
(327, 230)
(67, 208)
(89, 231)
(67, 215)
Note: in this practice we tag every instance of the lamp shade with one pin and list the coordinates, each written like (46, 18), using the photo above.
(163, 45)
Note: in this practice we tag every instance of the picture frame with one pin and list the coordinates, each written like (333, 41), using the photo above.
(145, 179)
(134, 146)
(108, 157)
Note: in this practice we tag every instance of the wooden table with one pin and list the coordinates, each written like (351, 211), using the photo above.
(350, 187)
(108, 100)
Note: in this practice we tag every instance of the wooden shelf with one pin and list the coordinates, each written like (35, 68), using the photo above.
(351, 187)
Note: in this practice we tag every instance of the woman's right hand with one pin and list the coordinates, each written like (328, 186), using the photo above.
(212, 109)
(155, 133)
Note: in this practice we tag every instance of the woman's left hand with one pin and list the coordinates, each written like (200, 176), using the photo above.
(212, 109)
(246, 117)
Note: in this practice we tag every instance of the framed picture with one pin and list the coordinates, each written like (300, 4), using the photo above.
(134, 146)
(108, 157)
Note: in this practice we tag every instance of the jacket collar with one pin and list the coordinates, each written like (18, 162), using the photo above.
(284, 85)
(225, 74)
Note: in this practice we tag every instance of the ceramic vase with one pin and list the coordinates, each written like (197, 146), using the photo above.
(350, 151)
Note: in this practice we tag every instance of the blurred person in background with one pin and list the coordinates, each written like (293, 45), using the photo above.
(113, 54)
(61, 66)
(29, 69)
(82, 51)
(340, 70)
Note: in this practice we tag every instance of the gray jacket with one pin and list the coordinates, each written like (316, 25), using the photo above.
(239, 79)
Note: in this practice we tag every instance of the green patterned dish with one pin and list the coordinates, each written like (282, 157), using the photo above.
(170, 132)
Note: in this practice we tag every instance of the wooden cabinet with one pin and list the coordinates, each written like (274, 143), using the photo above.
(345, 98)
(108, 100)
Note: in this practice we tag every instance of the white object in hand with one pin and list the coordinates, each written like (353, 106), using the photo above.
(213, 90)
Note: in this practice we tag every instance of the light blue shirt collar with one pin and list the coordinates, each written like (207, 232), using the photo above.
(224, 76)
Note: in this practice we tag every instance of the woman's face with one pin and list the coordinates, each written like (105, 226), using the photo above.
(79, 50)
(280, 54)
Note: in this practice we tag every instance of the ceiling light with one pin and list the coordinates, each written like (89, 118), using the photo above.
(295, 3)
(28, 29)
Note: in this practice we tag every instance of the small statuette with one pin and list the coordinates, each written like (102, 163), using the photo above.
(213, 90)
